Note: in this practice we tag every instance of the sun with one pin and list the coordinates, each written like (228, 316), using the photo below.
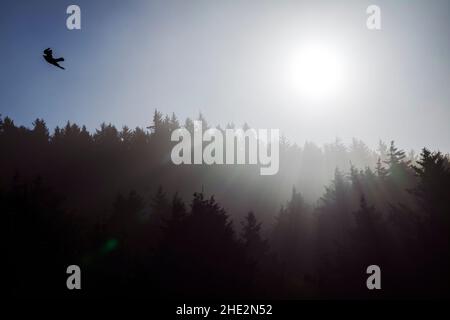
(317, 72)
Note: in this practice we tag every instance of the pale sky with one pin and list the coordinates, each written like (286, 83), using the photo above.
(234, 61)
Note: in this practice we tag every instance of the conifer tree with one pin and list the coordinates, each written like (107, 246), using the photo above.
(254, 245)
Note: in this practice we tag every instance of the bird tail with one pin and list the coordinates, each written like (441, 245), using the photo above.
(59, 59)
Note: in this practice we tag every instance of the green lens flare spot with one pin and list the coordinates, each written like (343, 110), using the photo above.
(109, 246)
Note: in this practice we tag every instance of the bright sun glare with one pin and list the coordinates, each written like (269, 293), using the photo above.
(317, 72)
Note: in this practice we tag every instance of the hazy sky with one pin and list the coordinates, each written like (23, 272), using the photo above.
(233, 61)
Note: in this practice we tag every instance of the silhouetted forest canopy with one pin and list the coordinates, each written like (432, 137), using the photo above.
(113, 203)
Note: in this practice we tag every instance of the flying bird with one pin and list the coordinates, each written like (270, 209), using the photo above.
(48, 56)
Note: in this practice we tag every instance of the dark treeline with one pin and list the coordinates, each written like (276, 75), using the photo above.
(113, 203)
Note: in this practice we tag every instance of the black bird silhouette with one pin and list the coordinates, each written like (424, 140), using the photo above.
(48, 56)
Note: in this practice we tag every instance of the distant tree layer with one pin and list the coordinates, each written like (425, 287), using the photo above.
(112, 203)
(91, 168)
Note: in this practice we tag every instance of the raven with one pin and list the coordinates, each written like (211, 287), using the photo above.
(48, 56)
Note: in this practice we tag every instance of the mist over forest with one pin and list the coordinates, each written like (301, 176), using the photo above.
(113, 202)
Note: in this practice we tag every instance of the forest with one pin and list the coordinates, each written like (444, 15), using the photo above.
(112, 202)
